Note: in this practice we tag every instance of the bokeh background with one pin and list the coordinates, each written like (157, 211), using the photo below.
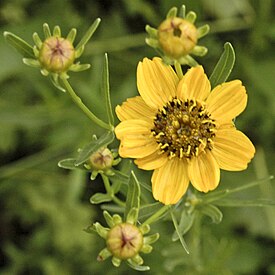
(44, 209)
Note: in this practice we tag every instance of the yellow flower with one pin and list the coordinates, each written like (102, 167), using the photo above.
(181, 130)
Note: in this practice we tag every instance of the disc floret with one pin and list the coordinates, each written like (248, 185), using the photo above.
(183, 129)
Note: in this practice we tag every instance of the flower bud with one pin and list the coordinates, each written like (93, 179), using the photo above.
(102, 159)
(177, 37)
(56, 54)
(124, 241)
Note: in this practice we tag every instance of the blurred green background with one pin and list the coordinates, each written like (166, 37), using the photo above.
(44, 209)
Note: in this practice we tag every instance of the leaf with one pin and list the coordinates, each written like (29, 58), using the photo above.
(93, 146)
(216, 195)
(117, 179)
(186, 222)
(182, 241)
(212, 211)
(100, 197)
(149, 209)
(68, 164)
(106, 90)
(224, 66)
(133, 194)
(245, 203)
(20, 45)
(138, 267)
(88, 34)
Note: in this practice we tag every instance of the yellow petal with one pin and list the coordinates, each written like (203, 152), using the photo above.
(134, 127)
(232, 149)
(136, 140)
(170, 182)
(156, 82)
(204, 172)
(227, 101)
(134, 108)
(197, 84)
(137, 151)
(152, 161)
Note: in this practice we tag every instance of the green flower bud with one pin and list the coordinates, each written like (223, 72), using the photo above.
(57, 54)
(102, 159)
(177, 37)
(124, 241)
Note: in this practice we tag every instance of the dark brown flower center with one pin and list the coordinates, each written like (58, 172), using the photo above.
(183, 129)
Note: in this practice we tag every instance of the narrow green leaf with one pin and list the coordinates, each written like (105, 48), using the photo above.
(186, 222)
(191, 17)
(67, 164)
(117, 179)
(133, 194)
(108, 219)
(93, 146)
(216, 195)
(71, 35)
(172, 13)
(224, 66)
(212, 211)
(182, 11)
(55, 81)
(151, 31)
(88, 34)
(114, 208)
(138, 267)
(99, 198)
(245, 203)
(46, 30)
(57, 31)
(149, 209)
(19, 44)
(182, 241)
(106, 90)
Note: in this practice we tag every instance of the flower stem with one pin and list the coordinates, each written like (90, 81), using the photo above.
(155, 216)
(178, 69)
(109, 191)
(77, 100)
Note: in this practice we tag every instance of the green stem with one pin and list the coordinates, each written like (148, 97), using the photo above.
(178, 69)
(109, 191)
(77, 100)
(155, 216)
(196, 242)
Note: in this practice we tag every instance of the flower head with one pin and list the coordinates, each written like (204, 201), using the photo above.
(124, 240)
(182, 130)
